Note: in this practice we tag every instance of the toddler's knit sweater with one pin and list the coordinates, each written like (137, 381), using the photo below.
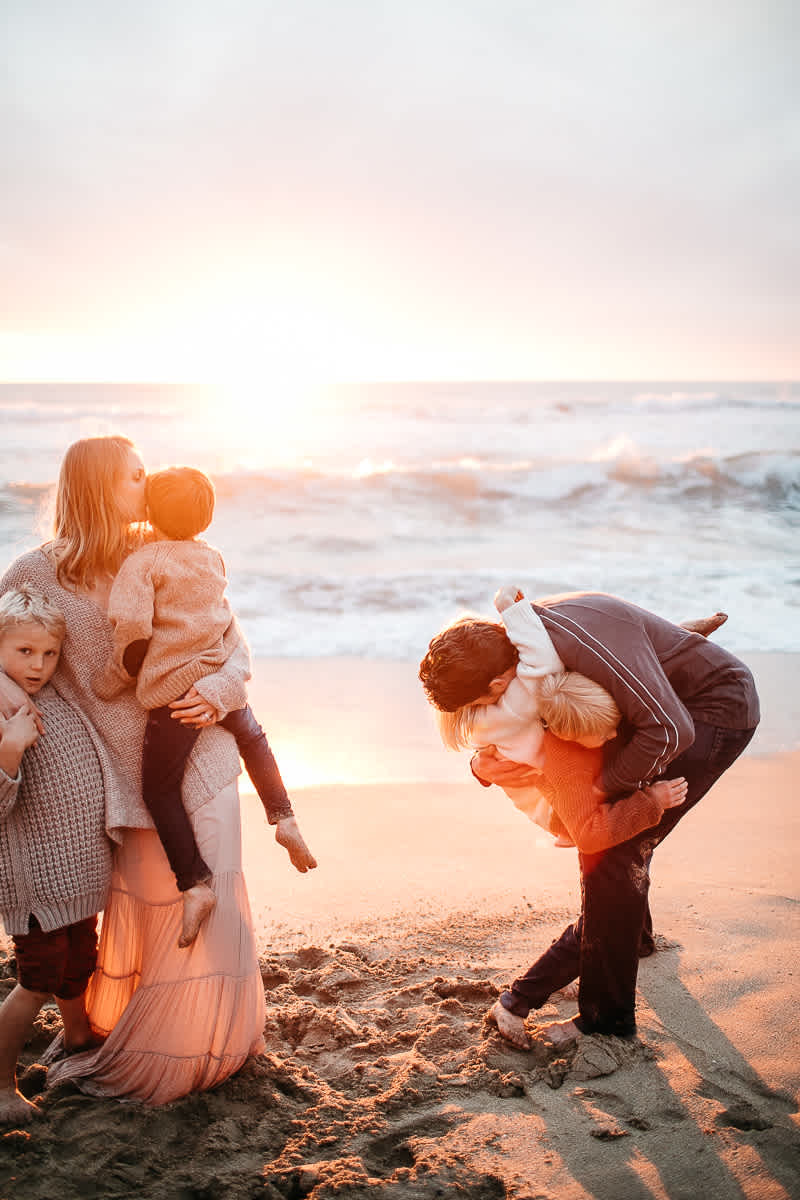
(568, 772)
(172, 595)
(55, 857)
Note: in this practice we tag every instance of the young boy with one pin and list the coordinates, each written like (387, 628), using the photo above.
(55, 857)
(170, 619)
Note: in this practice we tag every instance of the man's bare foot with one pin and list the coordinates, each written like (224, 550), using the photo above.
(198, 903)
(15, 1109)
(288, 835)
(509, 1026)
(560, 1034)
(705, 625)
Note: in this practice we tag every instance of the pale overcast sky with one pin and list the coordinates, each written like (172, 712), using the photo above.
(409, 189)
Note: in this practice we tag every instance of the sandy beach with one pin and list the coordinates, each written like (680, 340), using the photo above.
(381, 1077)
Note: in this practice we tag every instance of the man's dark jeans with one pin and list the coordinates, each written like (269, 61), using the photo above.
(603, 945)
(167, 745)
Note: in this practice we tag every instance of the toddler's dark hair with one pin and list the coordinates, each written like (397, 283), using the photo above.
(463, 660)
(180, 502)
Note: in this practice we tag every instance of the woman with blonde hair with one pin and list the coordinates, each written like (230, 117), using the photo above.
(174, 1020)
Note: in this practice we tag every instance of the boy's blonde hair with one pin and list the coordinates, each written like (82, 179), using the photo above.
(24, 604)
(456, 727)
(90, 535)
(573, 706)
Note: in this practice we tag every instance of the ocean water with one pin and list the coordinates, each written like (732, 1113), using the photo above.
(359, 520)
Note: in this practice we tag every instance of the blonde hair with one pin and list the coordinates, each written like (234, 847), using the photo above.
(456, 727)
(90, 533)
(21, 605)
(573, 706)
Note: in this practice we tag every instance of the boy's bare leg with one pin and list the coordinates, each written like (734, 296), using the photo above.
(198, 903)
(78, 1034)
(705, 625)
(288, 835)
(509, 1026)
(17, 1015)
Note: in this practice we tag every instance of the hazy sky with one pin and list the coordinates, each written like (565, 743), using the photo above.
(405, 189)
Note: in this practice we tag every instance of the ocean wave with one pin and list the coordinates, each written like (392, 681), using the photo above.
(760, 478)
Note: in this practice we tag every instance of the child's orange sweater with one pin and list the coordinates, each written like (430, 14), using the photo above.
(568, 773)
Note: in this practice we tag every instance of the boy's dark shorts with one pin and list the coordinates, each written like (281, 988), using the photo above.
(60, 962)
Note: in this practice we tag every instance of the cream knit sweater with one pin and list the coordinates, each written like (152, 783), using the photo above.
(172, 594)
(214, 761)
(55, 858)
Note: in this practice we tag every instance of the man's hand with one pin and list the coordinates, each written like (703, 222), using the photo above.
(490, 767)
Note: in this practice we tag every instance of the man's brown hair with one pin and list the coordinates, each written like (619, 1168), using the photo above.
(463, 660)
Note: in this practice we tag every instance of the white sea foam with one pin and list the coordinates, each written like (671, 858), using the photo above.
(361, 527)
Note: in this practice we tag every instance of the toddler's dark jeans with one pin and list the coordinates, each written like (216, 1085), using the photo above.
(603, 945)
(167, 745)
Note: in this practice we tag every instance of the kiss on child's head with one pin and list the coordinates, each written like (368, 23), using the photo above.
(463, 661)
(31, 632)
(180, 502)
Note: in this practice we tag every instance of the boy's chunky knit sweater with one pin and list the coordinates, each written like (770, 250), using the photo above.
(172, 595)
(55, 858)
(568, 772)
(213, 763)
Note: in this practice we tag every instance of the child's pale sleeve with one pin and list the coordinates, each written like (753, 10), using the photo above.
(537, 654)
(130, 611)
(225, 688)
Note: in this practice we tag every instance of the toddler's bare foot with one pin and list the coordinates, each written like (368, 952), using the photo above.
(559, 1033)
(288, 835)
(198, 903)
(509, 1026)
(706, 625)
(15, 1109)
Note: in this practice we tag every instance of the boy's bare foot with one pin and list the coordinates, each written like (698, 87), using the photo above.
(288, 835)
(705, 625)
(198, 903)
(559, 1033)
(15, 1109)
(509, 1026)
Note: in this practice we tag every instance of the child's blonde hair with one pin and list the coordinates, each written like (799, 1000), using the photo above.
(24, 604)
(456, 727)
(573, 706)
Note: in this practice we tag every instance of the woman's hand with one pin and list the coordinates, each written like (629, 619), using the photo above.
(288, 835)
(192, 709)
(12, 697)
(490, 767)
